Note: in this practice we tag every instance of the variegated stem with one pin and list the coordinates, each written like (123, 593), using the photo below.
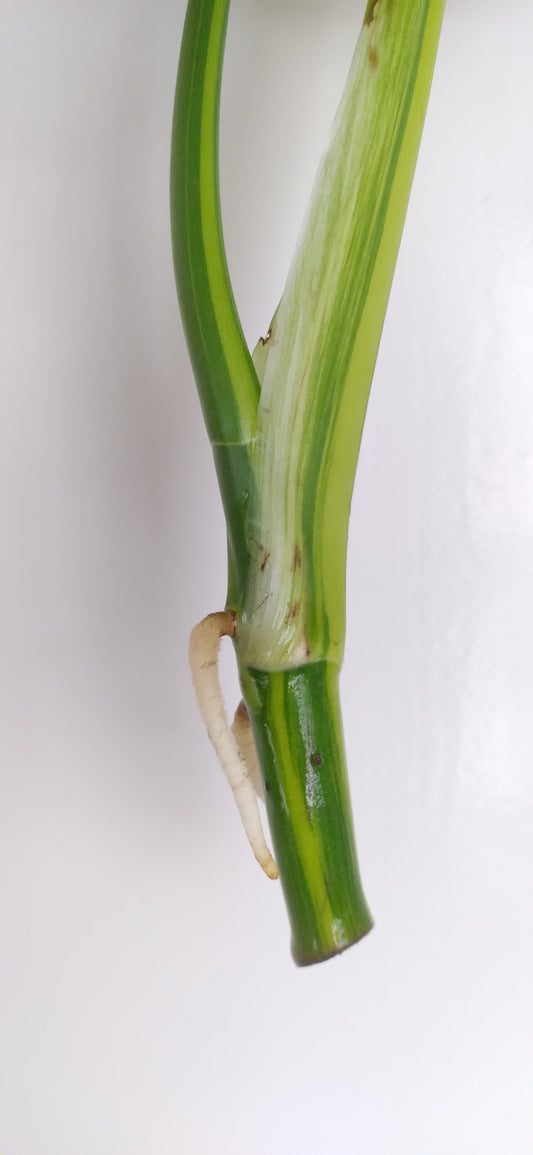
(316, 367)
(297, 726)
(286, 427)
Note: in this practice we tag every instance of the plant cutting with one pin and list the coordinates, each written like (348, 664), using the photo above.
(285, 422)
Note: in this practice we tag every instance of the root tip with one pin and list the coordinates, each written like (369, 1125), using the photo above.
(271, 869)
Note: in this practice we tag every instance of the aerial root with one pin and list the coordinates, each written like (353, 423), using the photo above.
(235, 750)
(244, 737)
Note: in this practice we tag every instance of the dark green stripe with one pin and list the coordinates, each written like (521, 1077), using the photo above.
(298, 731)
(224, 372)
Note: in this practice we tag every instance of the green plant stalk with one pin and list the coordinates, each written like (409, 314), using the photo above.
(297, 727)
(324, 342)
(225, 375)
(286, 427)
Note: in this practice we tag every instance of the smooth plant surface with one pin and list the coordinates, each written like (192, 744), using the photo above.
(147, 999)
(286, 427)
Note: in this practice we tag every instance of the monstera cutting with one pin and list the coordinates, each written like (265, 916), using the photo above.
(285, 423)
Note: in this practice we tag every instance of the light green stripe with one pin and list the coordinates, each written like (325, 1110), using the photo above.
(321, 358)
(308, 851)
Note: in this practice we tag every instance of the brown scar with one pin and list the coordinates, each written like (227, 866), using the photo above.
(372, 58)
(370, 12)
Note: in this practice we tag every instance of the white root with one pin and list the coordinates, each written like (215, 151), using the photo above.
(244, 738)
(204, 648)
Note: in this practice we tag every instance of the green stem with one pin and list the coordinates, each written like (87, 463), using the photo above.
(223, 368)
(317, 368)
(286, 426)
(297, 726)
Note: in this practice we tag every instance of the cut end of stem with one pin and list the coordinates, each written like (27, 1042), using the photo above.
(320, 953)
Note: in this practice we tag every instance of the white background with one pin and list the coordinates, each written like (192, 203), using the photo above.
(148, 1001)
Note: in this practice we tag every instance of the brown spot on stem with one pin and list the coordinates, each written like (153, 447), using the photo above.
(264, 561)
(264, 340)
(293, 612)
(316, 760)
(372, 58)
(297, 559)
